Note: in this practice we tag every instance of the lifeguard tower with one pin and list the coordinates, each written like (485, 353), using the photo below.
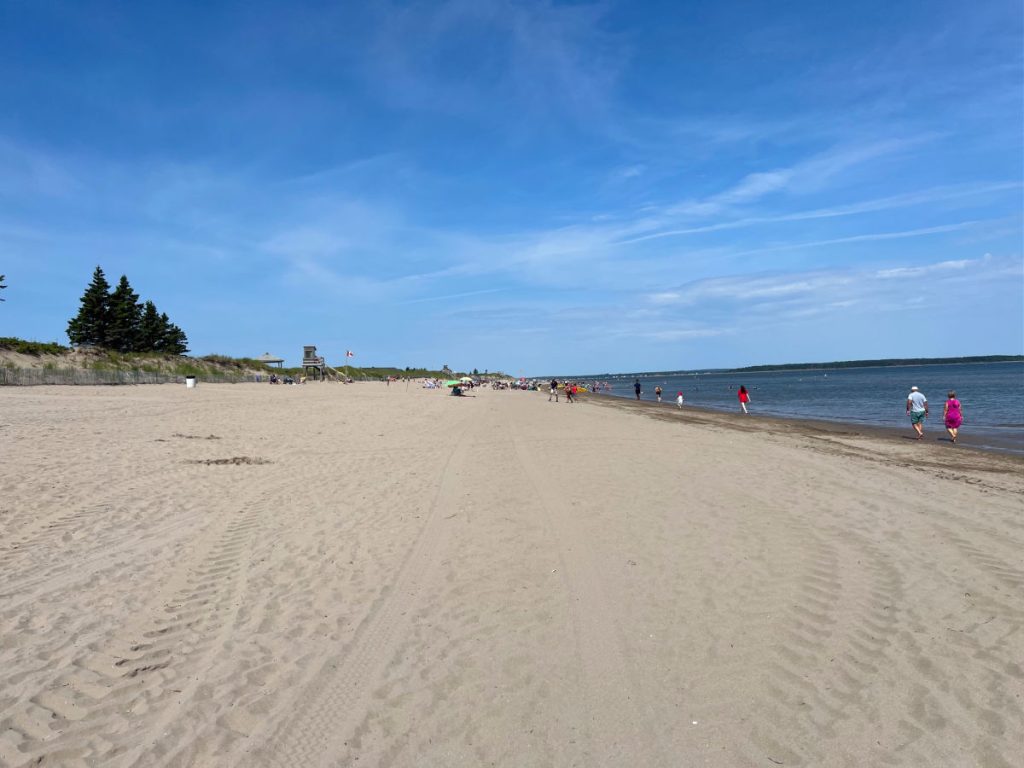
(312, 361)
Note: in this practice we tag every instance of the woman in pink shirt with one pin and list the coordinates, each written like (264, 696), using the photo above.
(953, 415)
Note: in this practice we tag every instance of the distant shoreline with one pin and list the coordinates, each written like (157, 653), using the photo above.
(893, 363)
(838, 365)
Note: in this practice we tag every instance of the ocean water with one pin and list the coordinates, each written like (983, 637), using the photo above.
(992, 395)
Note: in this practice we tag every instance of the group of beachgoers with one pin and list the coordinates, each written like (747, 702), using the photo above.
(275, 379)
(570, 389)
(638, 389)
(917, 405)
(952, 413)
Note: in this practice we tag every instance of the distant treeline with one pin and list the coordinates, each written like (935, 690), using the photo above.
(379, 372)
(893, 362)
(881, 363)
(382, 372)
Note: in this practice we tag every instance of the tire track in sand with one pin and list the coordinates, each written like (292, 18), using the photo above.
(77, 718)
(336, 698)
(617, 719)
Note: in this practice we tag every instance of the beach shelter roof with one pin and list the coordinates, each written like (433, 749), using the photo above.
(266, 357)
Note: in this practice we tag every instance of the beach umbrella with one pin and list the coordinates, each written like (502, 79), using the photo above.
(465, 378)
(452, 383)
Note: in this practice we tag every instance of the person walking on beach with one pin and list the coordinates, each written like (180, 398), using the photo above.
(952, 415)
(637, 388)
(744, 398)
(679, 399)
(569, 392)
(657, 393)
(553, 391)
(917, 410)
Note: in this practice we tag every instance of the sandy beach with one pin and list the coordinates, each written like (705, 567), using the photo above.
(328, 575)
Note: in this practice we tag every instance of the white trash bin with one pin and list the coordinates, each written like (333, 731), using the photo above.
(190, 382)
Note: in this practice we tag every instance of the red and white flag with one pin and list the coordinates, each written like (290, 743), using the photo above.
(349, 353)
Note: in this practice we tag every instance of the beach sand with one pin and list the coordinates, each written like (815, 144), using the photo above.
(334, 575)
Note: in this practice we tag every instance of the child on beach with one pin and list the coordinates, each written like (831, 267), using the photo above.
(657, 393)
(744, 398)
(679, 399)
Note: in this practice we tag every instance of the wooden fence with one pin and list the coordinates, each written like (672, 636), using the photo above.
(37, 376)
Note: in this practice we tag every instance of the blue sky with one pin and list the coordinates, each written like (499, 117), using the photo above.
(526, 186)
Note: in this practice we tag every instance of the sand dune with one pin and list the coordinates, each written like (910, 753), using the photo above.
(386, 576)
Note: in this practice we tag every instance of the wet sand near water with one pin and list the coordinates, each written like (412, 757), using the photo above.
(327, 575)
(935, 432)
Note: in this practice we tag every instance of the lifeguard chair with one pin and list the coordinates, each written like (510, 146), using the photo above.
(314, 362)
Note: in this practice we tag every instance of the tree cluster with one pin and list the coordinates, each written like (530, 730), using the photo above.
(116, 320)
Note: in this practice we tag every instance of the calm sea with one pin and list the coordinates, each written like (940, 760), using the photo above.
(992, 395)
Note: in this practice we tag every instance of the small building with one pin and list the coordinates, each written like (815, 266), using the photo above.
(268, 359)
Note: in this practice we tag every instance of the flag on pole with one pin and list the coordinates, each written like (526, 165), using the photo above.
(349, 353)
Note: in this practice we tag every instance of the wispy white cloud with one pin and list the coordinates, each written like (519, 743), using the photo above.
(868, 237)
(664, 297)
(341, 229)
(678, 334)
(890, 202)
(25, 170)
(783, 294)
(810, 175)
(314, 279)
(339, 173)
(628, 172)
(541, 57)
(931, 268)
(447, 297)
(317, 234)
(662, 136)
(755, 186)
(586, 256)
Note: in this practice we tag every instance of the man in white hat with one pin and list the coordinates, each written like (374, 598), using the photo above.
(917, 410)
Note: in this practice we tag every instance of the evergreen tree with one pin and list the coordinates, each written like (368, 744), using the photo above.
(173, 340)
(151, 329)
(125, 318)
(91, 324)
(116, 320)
